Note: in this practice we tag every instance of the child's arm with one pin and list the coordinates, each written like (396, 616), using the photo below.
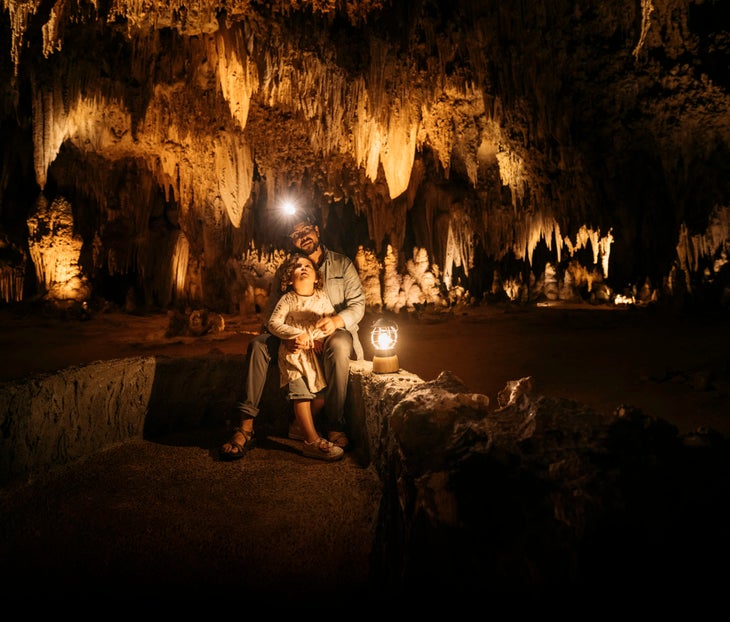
(277, 325)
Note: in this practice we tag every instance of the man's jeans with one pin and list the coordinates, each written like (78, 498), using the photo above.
(336, 352)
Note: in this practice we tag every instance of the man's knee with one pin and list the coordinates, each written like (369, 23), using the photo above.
(339, 346)
(260, 348)
(257, 344)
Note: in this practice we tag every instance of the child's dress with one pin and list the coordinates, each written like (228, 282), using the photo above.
(293, 315)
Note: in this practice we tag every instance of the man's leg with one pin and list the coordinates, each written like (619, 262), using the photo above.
(261, 350)
(336, 359)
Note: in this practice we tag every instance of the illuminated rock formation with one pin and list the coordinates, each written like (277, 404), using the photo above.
(494, 137)
(55, 251)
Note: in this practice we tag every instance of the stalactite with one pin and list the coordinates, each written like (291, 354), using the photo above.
(514, 175)
(342, 114)
(272, 196)
(233, 169)
(365, 137)
(399, 148)
(13, 262)
(20, 15)
(604, 251)
(159, 255)
(459, 245)
(178, 152)
(52, 38)
(47, 138)
(186, 16)
(601, 246)
(11, 283)
(438, 131)
(535, 233)
(237, 73)
(707, 246)
(61, 112)
(646, 10)
(453, 125)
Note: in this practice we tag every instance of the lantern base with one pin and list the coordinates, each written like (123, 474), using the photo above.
(386, 364)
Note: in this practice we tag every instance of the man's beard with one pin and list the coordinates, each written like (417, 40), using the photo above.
(315, 248)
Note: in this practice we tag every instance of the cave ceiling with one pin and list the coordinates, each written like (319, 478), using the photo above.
(480, 131)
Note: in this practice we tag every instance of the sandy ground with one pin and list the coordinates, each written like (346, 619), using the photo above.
(671, 365)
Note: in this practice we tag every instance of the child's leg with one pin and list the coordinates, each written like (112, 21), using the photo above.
(317, 406)
(303, 404)
(303, 414)
(314, 446)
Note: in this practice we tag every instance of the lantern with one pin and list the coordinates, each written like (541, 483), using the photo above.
(384, 336)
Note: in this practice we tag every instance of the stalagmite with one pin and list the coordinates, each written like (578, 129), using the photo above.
(55, 250)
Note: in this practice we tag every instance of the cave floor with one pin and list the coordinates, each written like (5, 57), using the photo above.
(166, 522)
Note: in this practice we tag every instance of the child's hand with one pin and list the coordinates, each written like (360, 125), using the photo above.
(300, 342)
(318, 345)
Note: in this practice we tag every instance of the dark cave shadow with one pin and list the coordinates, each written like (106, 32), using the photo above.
(194, 402)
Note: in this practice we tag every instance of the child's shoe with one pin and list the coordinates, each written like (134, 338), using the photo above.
(296, 432)
(322, 450)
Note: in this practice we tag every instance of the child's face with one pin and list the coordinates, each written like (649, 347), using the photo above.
(304, 273)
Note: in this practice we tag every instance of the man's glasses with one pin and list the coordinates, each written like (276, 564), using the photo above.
(301, 233)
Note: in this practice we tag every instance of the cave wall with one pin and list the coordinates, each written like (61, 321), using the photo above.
(506, 141)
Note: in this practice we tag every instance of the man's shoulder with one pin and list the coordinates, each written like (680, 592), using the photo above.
(334, 256)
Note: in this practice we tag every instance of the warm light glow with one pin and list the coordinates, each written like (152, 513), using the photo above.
(385, 341)
(289, 207)
(624, 300)
(384, 336)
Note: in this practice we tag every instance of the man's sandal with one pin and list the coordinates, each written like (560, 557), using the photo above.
(237, 450)
(339, 439)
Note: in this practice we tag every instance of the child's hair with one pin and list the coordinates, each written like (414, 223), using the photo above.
(289, 270)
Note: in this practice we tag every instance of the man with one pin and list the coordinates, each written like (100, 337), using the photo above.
(343, 286)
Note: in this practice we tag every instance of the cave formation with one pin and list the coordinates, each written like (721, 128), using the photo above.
(468, 150)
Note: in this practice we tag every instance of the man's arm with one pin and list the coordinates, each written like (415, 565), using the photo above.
(354, 297)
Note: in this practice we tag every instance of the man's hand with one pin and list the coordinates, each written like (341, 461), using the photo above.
(329, 325)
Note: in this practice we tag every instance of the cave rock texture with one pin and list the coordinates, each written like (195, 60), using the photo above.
(457, 151)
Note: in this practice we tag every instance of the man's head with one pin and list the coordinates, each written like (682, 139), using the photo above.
(304, 234)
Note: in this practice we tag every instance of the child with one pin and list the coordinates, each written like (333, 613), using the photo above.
(295, 317)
